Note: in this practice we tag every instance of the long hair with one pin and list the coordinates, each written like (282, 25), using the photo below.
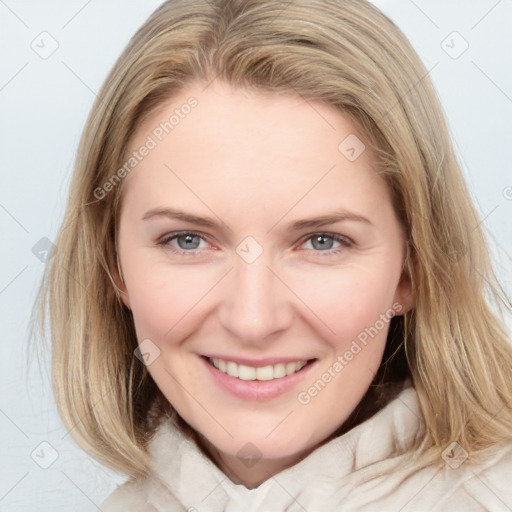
(345, 53)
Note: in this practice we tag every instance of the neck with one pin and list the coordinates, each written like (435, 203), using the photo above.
(248, 469)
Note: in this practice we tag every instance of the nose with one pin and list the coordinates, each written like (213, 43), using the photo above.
(256, 305)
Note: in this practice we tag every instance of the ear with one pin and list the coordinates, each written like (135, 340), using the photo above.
(121, 291)
(404, 293)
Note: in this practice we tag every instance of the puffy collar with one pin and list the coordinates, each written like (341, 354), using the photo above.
(371, 448)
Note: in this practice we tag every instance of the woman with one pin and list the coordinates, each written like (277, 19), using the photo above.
(321, 340)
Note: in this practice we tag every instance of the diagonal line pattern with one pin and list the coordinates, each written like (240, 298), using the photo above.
(14, 76)
(275, 428)
(309, 103)
(193, 306)
(424, 13)
(492, 417)
(86, 291)
(286, 491)
(13, 217)
(419, 417)
(300, 199)
(492, 81)
(85, 494)
(12, 488)
(80, 419)
(14, 423)
(269, 23)
(198, 402)
(223, 223)
(485, 218)
(476, 475)
(301, 300)
(13, 279)
(423, 487)
(408, 91)
(13, 13)
(213, 490)
(486, 14)
(76, 14)
(79, 78)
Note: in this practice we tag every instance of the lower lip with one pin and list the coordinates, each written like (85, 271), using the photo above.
(258, 390)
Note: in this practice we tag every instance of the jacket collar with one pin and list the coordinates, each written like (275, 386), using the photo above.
(193, 478)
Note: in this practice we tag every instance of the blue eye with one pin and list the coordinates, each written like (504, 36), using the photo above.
(188, 243)
(324, 243)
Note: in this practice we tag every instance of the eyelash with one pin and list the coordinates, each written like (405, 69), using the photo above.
(343, 240)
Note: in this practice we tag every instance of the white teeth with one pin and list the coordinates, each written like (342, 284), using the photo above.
(269, 372)
(246, 372)
(290, 368)
(279, 371)
(265, 372)
(232, 369)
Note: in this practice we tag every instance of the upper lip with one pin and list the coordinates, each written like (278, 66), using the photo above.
(257, 363)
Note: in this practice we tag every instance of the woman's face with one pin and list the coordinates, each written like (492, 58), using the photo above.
(287, 276)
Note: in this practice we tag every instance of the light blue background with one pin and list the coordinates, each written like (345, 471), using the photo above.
(43, 107)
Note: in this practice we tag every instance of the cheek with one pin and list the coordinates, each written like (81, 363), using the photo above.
(347, 300)
(164, 298)
(356, 305)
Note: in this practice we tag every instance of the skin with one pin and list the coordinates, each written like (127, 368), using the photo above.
(255, 163)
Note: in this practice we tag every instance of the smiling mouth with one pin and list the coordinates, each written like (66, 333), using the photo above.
(262, 373)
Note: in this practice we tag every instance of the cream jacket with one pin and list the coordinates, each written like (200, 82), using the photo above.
(362, 470)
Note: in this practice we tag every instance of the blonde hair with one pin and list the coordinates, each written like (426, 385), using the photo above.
(344, 53)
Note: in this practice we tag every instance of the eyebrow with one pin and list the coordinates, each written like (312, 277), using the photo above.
(209, 222)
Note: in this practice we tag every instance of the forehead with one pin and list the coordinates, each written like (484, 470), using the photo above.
(249, 149)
